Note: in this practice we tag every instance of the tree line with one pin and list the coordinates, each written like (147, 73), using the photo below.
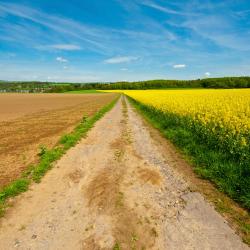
(225, 82)
(51, 87)
(28, 87)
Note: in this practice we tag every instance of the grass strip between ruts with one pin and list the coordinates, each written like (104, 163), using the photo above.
(49, 156)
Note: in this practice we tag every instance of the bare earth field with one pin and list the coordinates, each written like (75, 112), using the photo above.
(17, 105)
(30, 120)
(115, 190)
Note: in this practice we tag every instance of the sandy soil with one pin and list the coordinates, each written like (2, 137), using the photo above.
(55, 114)
(115, 189)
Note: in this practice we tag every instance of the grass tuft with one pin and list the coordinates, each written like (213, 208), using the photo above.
(116, 246)
(14, 189)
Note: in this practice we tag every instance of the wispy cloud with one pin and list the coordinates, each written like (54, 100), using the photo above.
(221, 30)
(165, 9)
(207, 74)
(205, 19)
(89, 35)
(179, 66)
(121, 59)
(61, 59)
(136, 17)
(101, 40)
(66, 47)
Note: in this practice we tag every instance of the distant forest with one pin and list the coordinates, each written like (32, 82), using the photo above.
(51, 87)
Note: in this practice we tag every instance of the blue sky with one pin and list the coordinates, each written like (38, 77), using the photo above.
(111, 40)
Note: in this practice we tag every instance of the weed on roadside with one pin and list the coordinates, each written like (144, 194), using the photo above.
(134, 239)
(154, 232)
(119, 200)
(118, 155)
(116, 246)
(42, 150)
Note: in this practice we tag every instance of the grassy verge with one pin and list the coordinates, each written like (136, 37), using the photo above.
(49, 156)
(229, 175)
(209, 164)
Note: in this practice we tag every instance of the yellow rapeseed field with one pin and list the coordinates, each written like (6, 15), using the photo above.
(224, 113)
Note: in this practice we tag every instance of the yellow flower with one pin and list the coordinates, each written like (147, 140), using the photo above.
(227, 109)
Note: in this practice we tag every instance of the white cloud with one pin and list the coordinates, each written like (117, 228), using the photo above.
(207, 74)
(179, 66)
(121, 59)
(124, 69)
(61, 59)
(67, 47)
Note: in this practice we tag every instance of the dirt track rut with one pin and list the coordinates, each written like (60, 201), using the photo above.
(115, 190)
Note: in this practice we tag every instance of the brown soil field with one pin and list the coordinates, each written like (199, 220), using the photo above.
(28, 121)
(14, 105)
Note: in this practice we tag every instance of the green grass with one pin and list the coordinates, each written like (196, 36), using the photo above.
(85, 91)
(49, 156)
(13, 189)
(45, 163)
(232, 176)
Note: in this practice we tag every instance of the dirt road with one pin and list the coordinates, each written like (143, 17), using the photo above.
(115, 190)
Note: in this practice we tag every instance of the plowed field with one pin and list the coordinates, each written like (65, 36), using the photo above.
(28, 121)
